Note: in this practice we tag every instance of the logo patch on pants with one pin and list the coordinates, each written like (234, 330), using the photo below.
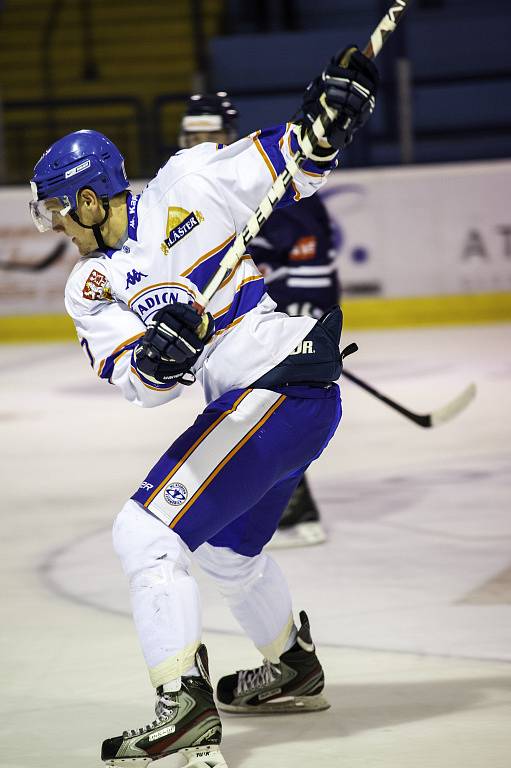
(175, 494)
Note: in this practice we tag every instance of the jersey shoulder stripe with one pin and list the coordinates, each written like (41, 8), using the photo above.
(248, 295)
(204, 267)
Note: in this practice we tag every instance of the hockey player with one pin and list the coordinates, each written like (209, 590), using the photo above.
(295, 253)
(219, 489)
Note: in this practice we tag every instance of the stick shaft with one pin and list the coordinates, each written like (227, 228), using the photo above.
(386, 26)
(283, 181)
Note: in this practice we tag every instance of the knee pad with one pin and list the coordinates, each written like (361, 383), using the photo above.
(143, 542)
(232, 572)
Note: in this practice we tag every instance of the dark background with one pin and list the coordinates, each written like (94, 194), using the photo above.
(126, 68)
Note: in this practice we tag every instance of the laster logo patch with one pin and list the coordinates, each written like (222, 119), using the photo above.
(180, 223)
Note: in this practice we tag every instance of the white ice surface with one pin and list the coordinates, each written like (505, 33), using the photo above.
(415, 644)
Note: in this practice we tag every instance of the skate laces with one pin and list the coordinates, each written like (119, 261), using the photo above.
(249, 679)
(165, 704)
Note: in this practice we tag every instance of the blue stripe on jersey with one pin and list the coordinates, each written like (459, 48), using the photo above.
(204, 271)
(310, 166)
(109, 364)
(245, 299)
(132, 208)
(269, 140)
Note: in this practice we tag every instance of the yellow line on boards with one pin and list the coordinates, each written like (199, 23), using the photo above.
(36, 328)
(427, 310)
(364, 313)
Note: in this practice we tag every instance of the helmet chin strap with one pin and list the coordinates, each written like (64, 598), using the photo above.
(96, 228)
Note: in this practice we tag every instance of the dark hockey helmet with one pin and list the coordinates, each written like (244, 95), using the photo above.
(209, 113)
(81, 159)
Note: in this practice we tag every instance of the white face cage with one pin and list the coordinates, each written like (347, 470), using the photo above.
(41, 215)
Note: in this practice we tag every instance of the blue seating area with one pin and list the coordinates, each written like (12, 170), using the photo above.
(460, 65)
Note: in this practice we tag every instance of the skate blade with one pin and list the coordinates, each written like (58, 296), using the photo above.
(203, 757)
(285, 705)
(301, 535)
(194, 757)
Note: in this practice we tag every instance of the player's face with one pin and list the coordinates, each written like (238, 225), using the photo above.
(83, 238)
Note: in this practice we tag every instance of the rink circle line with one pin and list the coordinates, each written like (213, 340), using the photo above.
(44, 572)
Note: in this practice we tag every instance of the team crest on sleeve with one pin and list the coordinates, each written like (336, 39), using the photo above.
(180, 223)
(97, 287)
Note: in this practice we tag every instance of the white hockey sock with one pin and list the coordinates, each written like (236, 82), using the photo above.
(257, 594)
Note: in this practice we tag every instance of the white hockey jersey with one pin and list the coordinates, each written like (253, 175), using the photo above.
(178, 230)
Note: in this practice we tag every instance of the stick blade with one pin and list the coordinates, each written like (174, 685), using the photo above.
(449, 411)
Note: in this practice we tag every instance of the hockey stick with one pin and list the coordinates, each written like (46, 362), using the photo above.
(433, 419)
(316, 132)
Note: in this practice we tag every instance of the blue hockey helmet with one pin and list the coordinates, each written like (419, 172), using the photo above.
(81, 159)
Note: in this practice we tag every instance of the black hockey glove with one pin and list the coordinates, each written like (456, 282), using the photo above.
(351, 91)
(171, 345)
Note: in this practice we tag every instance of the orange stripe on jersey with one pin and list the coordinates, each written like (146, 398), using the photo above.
(228, 327)
(265, 157)
(246, 257)
(226, 459)
(188, 288)
(208, 255)
(196, 444)
(118, 349)
(238, 288)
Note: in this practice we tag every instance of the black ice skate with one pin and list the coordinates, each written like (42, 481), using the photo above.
(293, 685)
(299, 525)
(186, 722)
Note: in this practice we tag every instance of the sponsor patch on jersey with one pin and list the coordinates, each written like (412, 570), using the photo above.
(155, 297)
(180, 223)
(304, 249)
(175, 494)
(97, 287)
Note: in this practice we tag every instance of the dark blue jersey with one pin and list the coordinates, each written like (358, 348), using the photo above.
(295, 252)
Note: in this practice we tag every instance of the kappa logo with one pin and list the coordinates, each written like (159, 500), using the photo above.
(97, 287)
(180, 223)
(175, 494)
(134, 277)
(132, 210)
